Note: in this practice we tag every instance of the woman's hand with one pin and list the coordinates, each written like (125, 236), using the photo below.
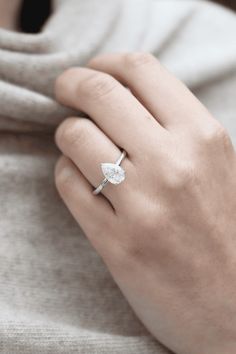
(168, 232)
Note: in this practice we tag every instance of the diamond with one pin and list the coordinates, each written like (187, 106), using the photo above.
(113, 173)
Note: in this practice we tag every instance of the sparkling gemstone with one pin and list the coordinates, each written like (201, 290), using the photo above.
(114, 173)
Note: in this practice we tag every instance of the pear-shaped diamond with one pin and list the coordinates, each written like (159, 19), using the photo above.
(114, 173)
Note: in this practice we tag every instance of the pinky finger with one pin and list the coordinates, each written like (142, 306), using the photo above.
(90, 211)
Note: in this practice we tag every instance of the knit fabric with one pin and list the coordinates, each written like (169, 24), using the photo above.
(56, 295)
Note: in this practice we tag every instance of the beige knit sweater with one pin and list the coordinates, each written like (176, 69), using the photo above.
(56, 296)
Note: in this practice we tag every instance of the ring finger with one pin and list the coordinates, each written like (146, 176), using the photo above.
(87, 146)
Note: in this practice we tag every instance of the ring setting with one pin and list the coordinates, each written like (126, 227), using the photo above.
(113, 173)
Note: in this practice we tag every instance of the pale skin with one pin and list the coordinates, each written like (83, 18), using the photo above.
(168, 232)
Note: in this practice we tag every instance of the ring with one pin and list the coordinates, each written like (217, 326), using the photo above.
(112, 172)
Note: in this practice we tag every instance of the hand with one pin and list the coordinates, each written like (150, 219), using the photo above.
(168, 232)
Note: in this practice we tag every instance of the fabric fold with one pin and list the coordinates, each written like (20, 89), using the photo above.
(56, 295)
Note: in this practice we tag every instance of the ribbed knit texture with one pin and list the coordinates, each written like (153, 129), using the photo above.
(56, 296)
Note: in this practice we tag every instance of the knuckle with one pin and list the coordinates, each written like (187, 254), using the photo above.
(74, 132)
(216, 135)
(137, 59)
(62, 183)
(98, 85)
(62, 81)
(181, 177)
(65, 75)
(153, 219)
(63, 176)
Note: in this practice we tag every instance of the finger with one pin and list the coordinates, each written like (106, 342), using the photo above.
(167, 98)
(114, 109)
(90, 211)
(87, 146)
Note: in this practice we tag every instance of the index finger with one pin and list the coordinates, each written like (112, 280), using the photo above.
(166, 97)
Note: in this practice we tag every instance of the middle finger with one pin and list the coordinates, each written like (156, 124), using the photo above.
(114, 109)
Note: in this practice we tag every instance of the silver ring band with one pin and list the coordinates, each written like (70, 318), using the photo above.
(113, 173)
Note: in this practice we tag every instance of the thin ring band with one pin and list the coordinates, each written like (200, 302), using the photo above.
(106, 180)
